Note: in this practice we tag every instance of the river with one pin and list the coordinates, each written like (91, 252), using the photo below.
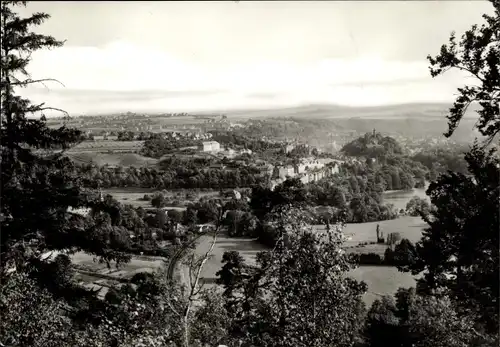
(383, 279)
(400, 198)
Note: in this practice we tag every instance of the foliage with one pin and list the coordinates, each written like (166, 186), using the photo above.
(415, 320)
(393, 238)
(157, 145)
(459, 249)
(175, 174)
(297, 294)
(38, 183)
(405, 254)
(235, 139)
(417, 207)
(439, 160)
(382, 324)
(435, 322)
(30, 316)
(369, 259)
(477, 54)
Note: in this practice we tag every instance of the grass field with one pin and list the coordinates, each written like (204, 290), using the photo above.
(176, 121)
(408, 227)
(93, 280)
(104, 145)
(112, 159)
(380, 279)
(136, 264)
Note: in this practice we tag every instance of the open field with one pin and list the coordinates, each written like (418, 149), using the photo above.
(112, 159)
(107, 145)
(380, 279)
(178, 121)
(95, 275)
(137, 264)
(247, 247)
(130, 196)
(408, 227)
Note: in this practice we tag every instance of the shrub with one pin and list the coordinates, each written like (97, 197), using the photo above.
(369, 259)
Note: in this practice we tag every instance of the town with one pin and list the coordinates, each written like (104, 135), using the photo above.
(197, 179)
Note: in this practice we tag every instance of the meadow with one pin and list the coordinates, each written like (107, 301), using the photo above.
(112, 159)
(408, 227)
(107, 145)
(381, 280)
(95, 275)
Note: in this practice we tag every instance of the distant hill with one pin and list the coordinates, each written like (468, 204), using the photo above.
(417, 110)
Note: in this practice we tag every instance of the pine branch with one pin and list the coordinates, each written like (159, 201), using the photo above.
(31, 81)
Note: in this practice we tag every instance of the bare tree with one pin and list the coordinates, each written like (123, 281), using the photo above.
(195, 267)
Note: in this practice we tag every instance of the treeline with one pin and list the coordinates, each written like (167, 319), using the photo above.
(401, 253)
(439, 160)
(173, 177)
(131, 135)
(157, 145)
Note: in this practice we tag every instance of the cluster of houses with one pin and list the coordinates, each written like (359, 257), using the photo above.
(214, 147)
(309, 170)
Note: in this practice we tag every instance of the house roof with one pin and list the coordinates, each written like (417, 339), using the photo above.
(209, 142)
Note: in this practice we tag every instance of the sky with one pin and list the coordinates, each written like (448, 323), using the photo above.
(194, 56)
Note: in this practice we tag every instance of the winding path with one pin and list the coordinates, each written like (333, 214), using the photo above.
(178, 256)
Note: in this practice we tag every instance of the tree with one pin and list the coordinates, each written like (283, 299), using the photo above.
(405, 254)
(190, 216)
(297, 295)
(417, 207)
(175, 216)
(232, 221)
(478, 54)
(30, 316)
(434, 321)
(158, 200)
(38, 182)
(382, 324)
(393, 238)
(459, 249)
(414, 320)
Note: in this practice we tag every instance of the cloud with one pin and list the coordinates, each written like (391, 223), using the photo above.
(123, 76)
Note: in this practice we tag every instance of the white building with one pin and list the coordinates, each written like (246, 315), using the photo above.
(285, 171)
(210, 146)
